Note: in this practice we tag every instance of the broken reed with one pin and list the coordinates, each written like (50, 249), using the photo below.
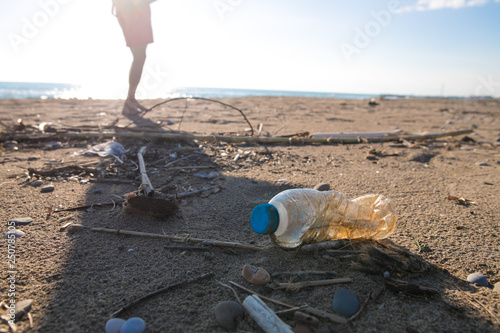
(256, 140)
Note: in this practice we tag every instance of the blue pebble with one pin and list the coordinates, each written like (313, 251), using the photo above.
(345, 303)
(114, 325)
(133, 325)
(479, 279)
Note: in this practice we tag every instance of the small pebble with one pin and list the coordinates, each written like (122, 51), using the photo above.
(47, 189)
(478, 279)
(98, 191)
(229, 314)
(16, 232)
(114, 325)
(496, 288)
(20, 221)
(121, 247)
(345, 303)
(322, 187)
(22, 308)
(36, 183)
(283, 180)
(133, 325)
(482, 163)
(256, 275)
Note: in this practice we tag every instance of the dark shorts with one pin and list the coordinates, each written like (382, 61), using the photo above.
(135, 21)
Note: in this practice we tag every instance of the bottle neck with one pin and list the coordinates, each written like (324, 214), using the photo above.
(282, 218)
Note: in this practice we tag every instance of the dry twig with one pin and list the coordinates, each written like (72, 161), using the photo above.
(299, 285)
(313, 311)
(162, 290)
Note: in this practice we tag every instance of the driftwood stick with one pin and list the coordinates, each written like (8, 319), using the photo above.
(191, 167)
(178, 238)
(84, 207)
(298, 285)
(257, 140)
(162, 290)
(357, 135)
(53, 172)
(300, 273)
(334, 244)
(313, 311)
(149, 189)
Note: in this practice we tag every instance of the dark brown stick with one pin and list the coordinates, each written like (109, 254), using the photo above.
(162, 290)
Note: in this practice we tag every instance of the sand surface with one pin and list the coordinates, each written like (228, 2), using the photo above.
(77, 280)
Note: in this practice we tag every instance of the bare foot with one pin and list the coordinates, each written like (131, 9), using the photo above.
(132, 107)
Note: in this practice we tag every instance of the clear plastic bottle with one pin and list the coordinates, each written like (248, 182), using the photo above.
(299, 216)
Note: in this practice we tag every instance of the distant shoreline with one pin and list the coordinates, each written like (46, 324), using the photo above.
(31, 90)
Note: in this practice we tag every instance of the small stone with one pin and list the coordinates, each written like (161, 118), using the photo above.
(98, 191)
(114, 325)
(121, 247)
(478, 279)
(20, 221)
(16, 232)
(47, 189)
(229, 314)
(496, 288)
(36, 183)
(256, 275)
(22, 308)
(283, 180)
(345, 303)
(481, 163)
(133, 325)
(322, 187)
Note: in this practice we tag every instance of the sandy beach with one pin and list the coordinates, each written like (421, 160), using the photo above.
(445, 191)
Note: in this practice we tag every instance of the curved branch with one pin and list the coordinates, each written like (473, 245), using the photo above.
(204, 99)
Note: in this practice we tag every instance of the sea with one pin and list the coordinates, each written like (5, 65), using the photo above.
(72, 91)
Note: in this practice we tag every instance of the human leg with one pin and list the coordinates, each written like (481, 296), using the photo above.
(132, 106)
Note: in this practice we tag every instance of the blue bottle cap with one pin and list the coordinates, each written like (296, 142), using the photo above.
(264, 219)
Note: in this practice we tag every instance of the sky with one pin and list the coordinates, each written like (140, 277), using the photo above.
(408, 47)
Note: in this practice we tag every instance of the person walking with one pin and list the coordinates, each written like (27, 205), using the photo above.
(134, 17)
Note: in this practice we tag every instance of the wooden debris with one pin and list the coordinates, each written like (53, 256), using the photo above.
(310, 310)
(65, 226)
(267, 320)
(186, 238)
(460, 201)
(335, 244)
(146, 185)
(83, 207)
(409, 288)
(305, 318)
(301, 273)
(162, 290)
(252, 139)
(299, 285)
